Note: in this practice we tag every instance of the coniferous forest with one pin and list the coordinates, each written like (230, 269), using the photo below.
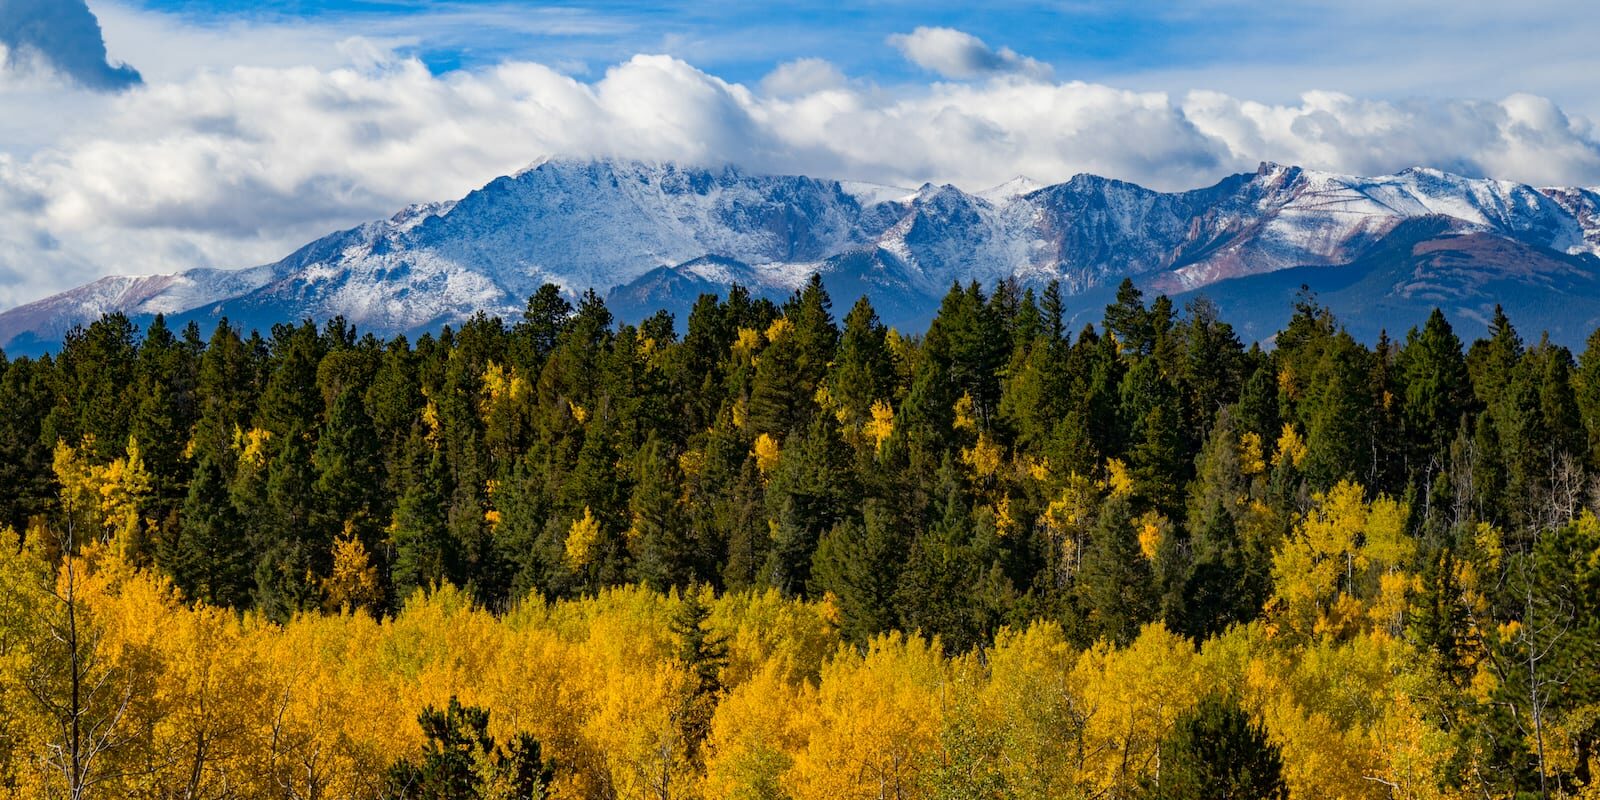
(782, 551)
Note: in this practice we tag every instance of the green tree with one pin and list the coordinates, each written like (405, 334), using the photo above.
(461, 761)
(1216, 751)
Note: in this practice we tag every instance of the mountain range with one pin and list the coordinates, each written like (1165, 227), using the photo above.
(1379, 251)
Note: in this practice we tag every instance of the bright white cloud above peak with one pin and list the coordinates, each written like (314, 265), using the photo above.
(959, 55)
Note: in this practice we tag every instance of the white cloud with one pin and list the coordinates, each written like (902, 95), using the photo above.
(800, 77)
(237, 166)
(960, 55)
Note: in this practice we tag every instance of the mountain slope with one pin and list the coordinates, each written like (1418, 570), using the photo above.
(658, 235)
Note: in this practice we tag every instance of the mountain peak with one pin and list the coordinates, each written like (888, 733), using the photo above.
(611, 222)
(1010, 190)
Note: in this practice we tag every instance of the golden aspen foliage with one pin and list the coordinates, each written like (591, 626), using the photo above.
(1119, 481)
(983, 458)
(1033, 701)
(1291, 448)
(755, 735)
(501, 385)
(746, 343)
(766, 453)
(353, 584)
(1339, 564)
(779, 328)
(251, 445)
(964, 410)
(108, 498)
(881, 424)
(1005, 523)
(582, 536)
(1131, 699)
(1251, 458)
(874, 729)
(1152, 528)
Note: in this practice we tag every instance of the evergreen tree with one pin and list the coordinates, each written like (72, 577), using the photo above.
(1116, 590)
(207, 553)
(1216, 751)
(860, 563)
(461, 761)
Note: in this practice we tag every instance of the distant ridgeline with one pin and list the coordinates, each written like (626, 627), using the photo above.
(648, 236)
(1140, 559)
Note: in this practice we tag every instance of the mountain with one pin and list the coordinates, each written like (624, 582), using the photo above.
(1379, 250)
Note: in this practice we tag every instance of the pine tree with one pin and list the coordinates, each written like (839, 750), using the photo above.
(1437, 392)
(424, 553)
(859, 563)
(1216, 751)
(664, 554)
(461, 761)
(863, 372)
(207, 553)
(704, 654)
(1116, 590)
(812, 491)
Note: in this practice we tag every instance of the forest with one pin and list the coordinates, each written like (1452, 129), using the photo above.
(790, 555)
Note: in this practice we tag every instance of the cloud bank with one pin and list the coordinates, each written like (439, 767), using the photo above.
(62, 35)
(235, 167)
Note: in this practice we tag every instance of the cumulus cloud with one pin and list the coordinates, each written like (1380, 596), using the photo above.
(63, 35)
(235, 167)
(961, 56)
(800, 77)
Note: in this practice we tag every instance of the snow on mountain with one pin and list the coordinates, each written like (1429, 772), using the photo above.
(663, 232)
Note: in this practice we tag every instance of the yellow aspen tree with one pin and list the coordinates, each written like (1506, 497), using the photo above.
(874, 731)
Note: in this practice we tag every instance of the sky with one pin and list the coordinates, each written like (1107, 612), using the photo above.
(150, 136)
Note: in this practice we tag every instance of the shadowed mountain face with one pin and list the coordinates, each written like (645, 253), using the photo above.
(1380, 251)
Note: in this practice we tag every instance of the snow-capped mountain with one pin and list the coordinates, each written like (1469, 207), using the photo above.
(651, 235)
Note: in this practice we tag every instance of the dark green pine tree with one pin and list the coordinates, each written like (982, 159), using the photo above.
(207, 553)
(816, 338)
(1337, 413)
(97, 382)
(24, 450)
(860, 564)
(535, 336)
(704, 653)
(780, 398)
(1228, 578)
(1436, 393)
(1128, 321)
(812, 490)
(167, 371)
(1155, 444)
(1216, 752)
(1210, 372)
(863, 371)
(228, 384)
(424, 553)
(461, 761)
(968, 343)
(292, 554)
(394, 403)
(349, 482)
(665, 554)
(1116, 590)
(1586, 388)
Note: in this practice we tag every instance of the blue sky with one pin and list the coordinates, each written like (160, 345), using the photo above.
(1381, 48)
(150, 136)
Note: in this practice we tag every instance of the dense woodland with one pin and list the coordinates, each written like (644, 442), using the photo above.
(785, 555)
